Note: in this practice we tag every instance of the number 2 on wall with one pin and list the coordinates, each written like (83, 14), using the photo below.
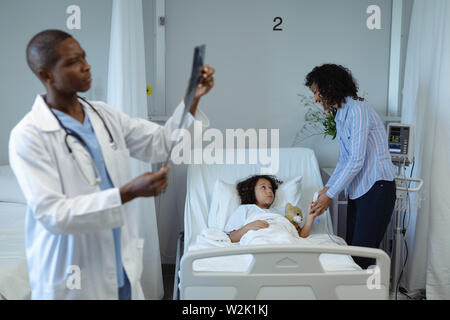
(277, 26)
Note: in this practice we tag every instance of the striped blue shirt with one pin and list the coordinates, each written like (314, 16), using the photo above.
(363, 146)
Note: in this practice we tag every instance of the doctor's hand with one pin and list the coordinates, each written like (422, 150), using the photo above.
(321, 205)
(149, 184)
(206, 82)
(205, 85)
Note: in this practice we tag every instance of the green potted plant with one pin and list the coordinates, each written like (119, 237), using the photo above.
(317, 121)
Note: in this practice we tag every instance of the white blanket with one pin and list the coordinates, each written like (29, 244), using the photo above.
(280, 231)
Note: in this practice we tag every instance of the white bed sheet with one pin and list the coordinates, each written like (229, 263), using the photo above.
(13, 266)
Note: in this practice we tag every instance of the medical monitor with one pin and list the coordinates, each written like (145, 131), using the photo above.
(400, 140)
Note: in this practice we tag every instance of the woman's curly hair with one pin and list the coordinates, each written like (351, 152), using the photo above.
(334, 83)
(246, 188)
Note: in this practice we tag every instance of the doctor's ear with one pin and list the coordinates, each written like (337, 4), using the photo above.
(46, 76)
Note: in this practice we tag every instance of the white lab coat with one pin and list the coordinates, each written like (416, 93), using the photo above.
(69, 223)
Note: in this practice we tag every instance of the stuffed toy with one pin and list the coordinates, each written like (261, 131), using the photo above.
(294, 215)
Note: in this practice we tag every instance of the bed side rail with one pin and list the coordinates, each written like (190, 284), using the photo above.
(288, 269)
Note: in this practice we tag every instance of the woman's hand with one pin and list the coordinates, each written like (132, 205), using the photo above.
(324, 190)
(321, 205)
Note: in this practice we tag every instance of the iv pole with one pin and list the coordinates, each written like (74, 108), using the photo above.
(402, 183)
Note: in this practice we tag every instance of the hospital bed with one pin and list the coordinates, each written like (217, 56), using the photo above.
(321, 271)
(13, 266)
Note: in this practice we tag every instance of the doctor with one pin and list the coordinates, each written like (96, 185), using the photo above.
(71, 159)
(365, 168)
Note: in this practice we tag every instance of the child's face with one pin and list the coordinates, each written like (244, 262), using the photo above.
(263, 193)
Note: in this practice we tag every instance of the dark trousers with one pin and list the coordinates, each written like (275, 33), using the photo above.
(368, 218)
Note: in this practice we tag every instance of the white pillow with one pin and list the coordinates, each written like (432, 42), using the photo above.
(9, 187)
(225, 200)
(289, 191)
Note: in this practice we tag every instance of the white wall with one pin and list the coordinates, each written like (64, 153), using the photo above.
(259, 71)
(20, 20)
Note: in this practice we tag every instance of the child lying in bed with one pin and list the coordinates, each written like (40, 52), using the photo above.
(257, 194)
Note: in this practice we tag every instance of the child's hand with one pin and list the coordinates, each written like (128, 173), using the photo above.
(256, 225)
(305, 231)
(311, 215)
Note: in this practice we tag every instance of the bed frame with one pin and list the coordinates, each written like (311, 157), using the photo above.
(285, 272)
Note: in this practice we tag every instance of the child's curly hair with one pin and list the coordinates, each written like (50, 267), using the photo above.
(246, 188)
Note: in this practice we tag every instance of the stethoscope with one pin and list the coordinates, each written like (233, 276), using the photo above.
(92, 180)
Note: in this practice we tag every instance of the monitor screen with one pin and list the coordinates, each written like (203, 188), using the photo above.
(398, 140)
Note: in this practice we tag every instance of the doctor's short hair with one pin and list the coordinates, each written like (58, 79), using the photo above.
(334, 82)
(246, 188)
(41, 50)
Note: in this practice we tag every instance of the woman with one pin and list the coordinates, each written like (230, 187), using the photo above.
(365, 169)
(257, 195)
